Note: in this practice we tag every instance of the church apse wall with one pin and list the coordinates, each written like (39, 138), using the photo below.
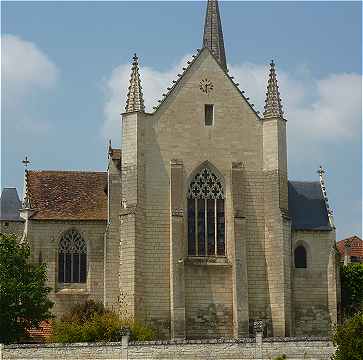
(177, 132)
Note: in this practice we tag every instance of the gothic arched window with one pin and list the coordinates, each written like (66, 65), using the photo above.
(300, 257)
(206, 235)
(72, 258)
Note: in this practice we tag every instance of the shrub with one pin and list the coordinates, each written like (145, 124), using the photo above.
(280, 357)
(90, 322)
(349, 339)
(84, 311)
(352, 288)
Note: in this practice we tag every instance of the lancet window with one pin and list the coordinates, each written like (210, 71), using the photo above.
(72, 258)
(300, 257)
(206, 224)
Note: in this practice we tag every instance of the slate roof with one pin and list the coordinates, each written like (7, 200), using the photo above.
(10, 205)
(356, 245)
(68, 195)
(307, 206)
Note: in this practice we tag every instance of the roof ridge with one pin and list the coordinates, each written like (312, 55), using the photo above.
(68, 171)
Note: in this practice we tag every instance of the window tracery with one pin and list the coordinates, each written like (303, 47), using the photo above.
(72, 258)
(206, 224)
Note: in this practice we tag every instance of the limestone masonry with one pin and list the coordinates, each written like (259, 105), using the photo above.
(195, 227)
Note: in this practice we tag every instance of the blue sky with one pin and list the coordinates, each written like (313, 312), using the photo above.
(65, 67)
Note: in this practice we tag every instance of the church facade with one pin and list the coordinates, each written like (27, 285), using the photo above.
(195, 227)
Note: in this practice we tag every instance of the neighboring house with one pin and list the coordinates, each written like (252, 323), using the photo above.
(194, 227)
(10, 220)
(351, 250)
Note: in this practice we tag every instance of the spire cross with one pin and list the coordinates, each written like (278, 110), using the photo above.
(26, 162)
(321, 171)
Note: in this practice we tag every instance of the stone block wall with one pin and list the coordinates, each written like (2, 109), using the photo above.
(44, 237)
(310, 285)
(240, 349)
(208, 301)
(112, 241)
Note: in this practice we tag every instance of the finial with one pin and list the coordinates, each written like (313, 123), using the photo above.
(26, 204)
(26, 162)
(321, 173)
(273, 107)
(109, 147)
(135, 101)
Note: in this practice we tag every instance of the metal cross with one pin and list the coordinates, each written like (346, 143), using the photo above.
(321, 171)
(26, 162)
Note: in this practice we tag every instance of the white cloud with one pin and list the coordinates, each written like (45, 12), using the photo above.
(325, 109)
(154, 83)
(317, 110)
(24, 68)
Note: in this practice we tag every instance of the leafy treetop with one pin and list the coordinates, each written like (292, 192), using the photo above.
(24, 299)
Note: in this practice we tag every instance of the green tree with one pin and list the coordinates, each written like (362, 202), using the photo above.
(349, 339)
(24, 299)
(352, 288)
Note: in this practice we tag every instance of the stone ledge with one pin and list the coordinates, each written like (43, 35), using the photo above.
(207, 261)
(70, 291)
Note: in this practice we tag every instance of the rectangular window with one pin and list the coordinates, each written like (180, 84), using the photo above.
(68, 269)
(220, 227)
(191, 227)
(210, 226)
(61, 267)
(83, 268)
(75, 268)
(201, 227)
(209, 114)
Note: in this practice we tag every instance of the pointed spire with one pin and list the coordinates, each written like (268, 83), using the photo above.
(273, 107)
(213, 35)
(135, 101)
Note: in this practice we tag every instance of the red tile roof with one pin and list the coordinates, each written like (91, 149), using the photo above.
(356, 245)
(43, 333)
(68, 195)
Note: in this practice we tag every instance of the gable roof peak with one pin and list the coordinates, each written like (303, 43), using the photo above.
(135, 100)
(213, 34)
(273, 106)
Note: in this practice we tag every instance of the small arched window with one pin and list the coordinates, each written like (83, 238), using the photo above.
(72, 258)
(206, 233)
(300, 257)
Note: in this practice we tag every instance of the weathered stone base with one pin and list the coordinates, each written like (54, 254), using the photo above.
(240, 349)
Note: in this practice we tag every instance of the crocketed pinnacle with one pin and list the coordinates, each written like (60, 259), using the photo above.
(273, 107)
(26, 204)
(135, 101)
(213, 35)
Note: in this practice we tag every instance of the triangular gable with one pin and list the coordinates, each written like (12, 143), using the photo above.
(175, 83)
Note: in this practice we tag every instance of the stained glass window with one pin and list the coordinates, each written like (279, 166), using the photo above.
(72, 258)
(206, 236)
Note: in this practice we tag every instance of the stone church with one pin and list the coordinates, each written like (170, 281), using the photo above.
(195, 227)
